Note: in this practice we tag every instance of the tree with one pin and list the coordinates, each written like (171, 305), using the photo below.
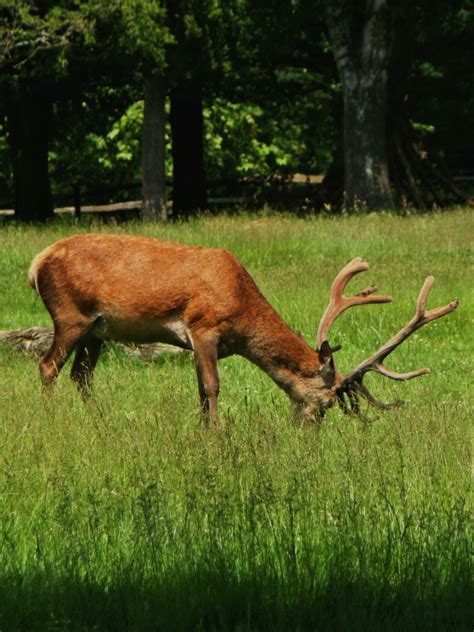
(189, 64)
(50, 48)
(29, 113)
(35, 39)
(254, 90)
(137, 39)
(187, 130)
(145, 37)
(361, 37)
(380, 49)
(153, 150)
(283, 66)
(197, 64)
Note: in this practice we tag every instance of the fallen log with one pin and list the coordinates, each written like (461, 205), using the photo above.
(35, 341)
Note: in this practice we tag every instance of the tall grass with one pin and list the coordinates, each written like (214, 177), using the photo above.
(128, 513)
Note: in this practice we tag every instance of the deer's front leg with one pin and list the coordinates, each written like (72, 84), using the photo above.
(205, 355)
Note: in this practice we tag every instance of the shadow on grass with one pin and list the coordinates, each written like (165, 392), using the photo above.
(216, 601)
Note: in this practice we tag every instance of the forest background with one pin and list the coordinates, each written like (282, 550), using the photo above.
(178, 103)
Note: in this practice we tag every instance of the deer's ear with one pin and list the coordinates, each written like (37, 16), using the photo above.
(325, 354)
(327, 370)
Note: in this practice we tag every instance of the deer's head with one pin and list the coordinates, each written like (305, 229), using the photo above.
(329, 386)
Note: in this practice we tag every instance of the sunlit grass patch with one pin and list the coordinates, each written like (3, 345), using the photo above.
(129, 513)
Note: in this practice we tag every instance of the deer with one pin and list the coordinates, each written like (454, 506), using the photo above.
(133, 289)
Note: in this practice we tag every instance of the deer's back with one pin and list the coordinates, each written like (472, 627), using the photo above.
(138, 279)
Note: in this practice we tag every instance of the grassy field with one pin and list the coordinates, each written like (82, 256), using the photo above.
(128, 514)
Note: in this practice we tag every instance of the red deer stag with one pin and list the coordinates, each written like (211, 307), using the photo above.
(137, 289)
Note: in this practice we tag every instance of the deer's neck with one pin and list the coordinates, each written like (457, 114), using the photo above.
(274, 347)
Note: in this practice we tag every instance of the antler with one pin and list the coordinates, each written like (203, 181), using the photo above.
(351, 384)
(339, 303)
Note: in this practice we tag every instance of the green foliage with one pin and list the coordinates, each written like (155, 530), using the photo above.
(101, 154)
(428, 70)
(36, 37)
(239, 140)
(442, 85)
(40, 40)
(120, 145)
(201, 30)
(246, 139)
(128, 513)
(422, 129)
(133, 29)
(272, 100)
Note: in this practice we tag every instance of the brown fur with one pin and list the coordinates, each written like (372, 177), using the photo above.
(140, 289)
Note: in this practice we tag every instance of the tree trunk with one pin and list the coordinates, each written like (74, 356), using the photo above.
(29, 115)
(153, 151)
(361, 45)
(366, 181)
(369, 45)
(187, 129)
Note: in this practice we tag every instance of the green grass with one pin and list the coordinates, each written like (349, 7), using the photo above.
(127, 513)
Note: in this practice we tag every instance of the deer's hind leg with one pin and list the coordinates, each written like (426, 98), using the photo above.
(66, 338)
(87, 354)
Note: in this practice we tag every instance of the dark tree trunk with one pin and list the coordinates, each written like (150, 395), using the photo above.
(153, 151)
(366, 180)
(187, 130)
(29, 115)
(361, 44)
(370, 47)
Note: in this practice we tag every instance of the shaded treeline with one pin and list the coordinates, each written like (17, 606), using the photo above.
(374, 94)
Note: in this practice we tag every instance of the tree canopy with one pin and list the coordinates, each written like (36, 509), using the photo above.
(376, 95)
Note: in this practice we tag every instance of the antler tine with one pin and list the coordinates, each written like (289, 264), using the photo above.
(400, 377)
(437, 312)
(423, 295)
(338, 303)
(375, 361)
